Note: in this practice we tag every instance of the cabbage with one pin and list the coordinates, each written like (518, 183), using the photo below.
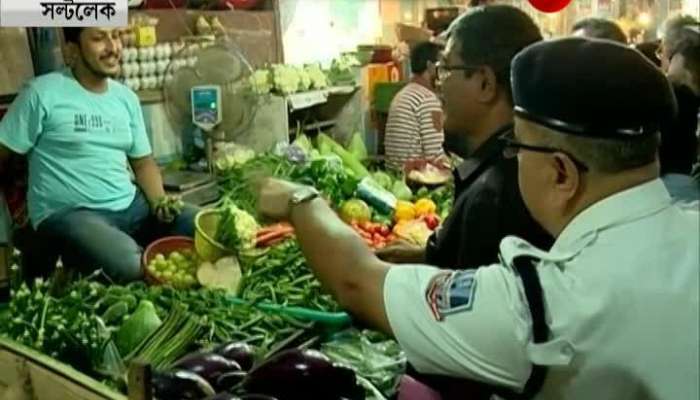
(357, 147)
(401, 191)
(383, 179)
(137, 327)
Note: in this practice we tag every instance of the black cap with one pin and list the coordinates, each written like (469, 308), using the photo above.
(591, 87)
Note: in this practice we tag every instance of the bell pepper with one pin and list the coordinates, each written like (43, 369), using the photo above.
(425, 207)
(405, 211)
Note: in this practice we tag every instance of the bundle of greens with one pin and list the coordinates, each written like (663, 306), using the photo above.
(282, 277)
(374, 357)
(78, 326)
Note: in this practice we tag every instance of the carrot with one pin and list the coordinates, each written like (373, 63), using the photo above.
(279, 233)
(272, 228)
(274, 241)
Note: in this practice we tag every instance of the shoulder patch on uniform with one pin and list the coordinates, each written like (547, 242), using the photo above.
(450, 293)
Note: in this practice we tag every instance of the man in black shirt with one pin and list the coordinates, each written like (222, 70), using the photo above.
(474, 76)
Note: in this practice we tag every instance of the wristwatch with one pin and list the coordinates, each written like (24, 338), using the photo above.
(303, 195)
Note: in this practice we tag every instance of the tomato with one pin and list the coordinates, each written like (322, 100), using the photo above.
(384, 230)
(432, 221)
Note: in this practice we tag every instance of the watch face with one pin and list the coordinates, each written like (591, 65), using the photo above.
(303, 194)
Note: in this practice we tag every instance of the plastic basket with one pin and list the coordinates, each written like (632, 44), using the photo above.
(208, 249)
(163, 246)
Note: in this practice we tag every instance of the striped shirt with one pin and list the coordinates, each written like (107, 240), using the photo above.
(414, 126)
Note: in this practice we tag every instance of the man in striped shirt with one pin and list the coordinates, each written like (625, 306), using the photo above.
(414, 127)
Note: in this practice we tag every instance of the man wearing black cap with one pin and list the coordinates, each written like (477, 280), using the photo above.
(587, 319)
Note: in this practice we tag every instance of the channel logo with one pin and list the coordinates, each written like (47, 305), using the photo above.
(63, 13)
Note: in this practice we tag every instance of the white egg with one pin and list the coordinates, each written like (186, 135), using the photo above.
(153, 67)
(135, 69)
(151, 53)
(152, 82)
(161, 65)
(167, 50)
(145, 68)
(143, 54)
(137, 83)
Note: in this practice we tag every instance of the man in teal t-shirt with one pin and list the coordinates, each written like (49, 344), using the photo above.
(80, 131)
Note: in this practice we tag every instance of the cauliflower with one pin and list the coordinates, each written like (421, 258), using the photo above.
(260, 81)
(237, 230)
(286, 78)
(319, 80)
(304, 79)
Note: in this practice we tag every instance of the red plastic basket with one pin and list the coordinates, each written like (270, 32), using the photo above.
(163, 246)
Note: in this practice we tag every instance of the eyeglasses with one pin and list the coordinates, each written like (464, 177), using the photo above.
(659, 53)
(443, 71)
(512, 147)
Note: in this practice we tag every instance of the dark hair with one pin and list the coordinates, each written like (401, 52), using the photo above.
(649, 50)
(675, 31)
(421, 54)
(72, 35)
(601, 28)
(690, 50)
(679, 149)
(492, 35)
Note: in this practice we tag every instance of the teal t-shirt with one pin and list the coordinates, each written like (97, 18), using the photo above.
(77, 143)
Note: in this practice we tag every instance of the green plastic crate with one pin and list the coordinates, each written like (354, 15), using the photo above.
(384, 93)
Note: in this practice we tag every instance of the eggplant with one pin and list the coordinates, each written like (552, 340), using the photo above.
(303, 374)
(229, 380)
(257, 397)
(240, 352)
(223, 396)
(180, 385)
(207, 365)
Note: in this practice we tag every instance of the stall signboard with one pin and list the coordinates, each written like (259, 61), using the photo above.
(63, 13)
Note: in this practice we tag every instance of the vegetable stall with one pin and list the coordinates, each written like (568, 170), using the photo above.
(236, 312)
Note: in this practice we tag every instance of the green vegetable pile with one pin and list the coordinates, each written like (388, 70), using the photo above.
(80, 327)
(443, 197)
(282, 277)
(327, 174)
(375, 358)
